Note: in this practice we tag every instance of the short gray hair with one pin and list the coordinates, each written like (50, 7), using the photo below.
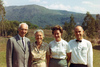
(39, 30)
(22, 23)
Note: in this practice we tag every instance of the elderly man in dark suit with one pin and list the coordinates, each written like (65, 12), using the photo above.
(17, 52)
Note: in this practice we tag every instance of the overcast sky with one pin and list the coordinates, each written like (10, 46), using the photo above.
(80, 6)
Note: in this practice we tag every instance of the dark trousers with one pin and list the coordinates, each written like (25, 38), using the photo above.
(77, 65)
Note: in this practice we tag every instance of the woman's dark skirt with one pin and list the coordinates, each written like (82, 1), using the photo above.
(58, 63)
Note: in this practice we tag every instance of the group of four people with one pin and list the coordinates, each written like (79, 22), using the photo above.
(21, 53)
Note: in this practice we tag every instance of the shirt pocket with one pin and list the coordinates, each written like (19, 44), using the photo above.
(84, 52)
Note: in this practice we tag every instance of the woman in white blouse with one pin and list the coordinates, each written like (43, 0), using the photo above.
(60, 52)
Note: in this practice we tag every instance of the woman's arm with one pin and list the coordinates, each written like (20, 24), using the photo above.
(47, 59)
(68, 57)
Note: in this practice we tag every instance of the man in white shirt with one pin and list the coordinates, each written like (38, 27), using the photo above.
(82, 53)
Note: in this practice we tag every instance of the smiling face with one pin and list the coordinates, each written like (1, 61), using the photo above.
(22, 31)
(79, 32)
(57, 34)
(39, 36)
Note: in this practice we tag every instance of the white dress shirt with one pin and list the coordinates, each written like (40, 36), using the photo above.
(82, 52)
(21, 39)
(59, 49)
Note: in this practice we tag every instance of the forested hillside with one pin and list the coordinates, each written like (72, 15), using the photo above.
(41, 16)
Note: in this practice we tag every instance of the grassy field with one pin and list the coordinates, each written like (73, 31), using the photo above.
(48, 38)
(3, 51)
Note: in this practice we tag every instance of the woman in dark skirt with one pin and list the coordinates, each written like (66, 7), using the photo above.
(60, 52)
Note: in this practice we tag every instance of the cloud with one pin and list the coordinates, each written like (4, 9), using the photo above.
(90, 4)
(34, 0)
(58, 6)
(87, 2)
(79, 9)
(44, 2)
(38, 1)
(5, 3)
(92, 7)
(67, 7)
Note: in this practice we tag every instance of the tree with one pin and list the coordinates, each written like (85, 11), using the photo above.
(98, 21)
(2, 10)
(11, 27)
(48, 27)
(2, 14)
(31, 26)
(98, 24)
(89, 25)
(68, 27)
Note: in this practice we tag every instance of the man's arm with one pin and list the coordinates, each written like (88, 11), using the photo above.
(30, 56)
(9, 53)
(90, 55)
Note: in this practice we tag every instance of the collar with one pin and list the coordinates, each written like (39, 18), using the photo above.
(21, 37)
(36, 44)
(59, 41)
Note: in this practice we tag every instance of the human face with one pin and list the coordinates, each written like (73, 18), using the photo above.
(57, 34)
(79, 33)
(23, 30)
(39, 36)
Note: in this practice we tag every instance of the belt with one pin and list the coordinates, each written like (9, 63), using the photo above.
(58, 58)
(77, 65)
(39, 61)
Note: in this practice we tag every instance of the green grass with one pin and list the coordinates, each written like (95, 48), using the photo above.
(3, 51)
(96, 56)
(2, 58)
(47, 40)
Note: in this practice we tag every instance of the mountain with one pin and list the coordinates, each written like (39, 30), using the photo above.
(41, 16)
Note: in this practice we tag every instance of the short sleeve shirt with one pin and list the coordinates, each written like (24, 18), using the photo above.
(59, 49)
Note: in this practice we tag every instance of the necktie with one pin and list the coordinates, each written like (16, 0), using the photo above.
(23, 43)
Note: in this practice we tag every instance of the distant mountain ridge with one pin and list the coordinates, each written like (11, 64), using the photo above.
(41, 16)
